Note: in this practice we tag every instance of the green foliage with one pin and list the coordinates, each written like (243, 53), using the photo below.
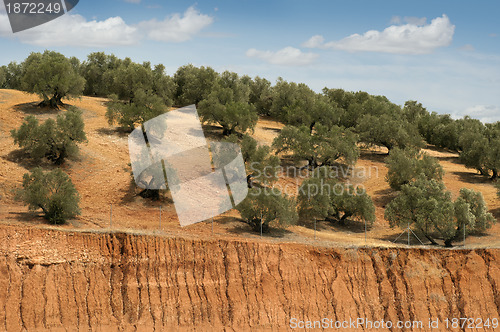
(322, 146)
(388, 130)
(264, 206)
(52, 76)
(407, 165)
(96, 73)
(128, 115)
(227, 105)
(482, 219)
(322, 197)
(163, 85)
(261, 95)
(193, 84)
(3, 76)
(428, 208)
(13, 73)
(128, 79)
(480, 147)
(55, 140)
(261, 167)
(53, 192)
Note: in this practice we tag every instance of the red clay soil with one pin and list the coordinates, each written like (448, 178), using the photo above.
(68, 281)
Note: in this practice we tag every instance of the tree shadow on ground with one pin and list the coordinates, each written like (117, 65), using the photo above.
(32, 217)
(353, 226)
(242, 228)
(24, 160)
(374, 156)
(472, 178)
(34, 109)
(496, 213)
(116, 131)
(383, 197)
(275, 130)
(213, 133)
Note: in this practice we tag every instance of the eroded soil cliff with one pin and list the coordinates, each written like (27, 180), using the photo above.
(59, 280)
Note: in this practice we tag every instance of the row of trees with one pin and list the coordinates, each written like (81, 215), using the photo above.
(323, 129)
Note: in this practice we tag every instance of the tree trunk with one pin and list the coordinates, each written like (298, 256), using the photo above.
(342, 220)
(428, 237)
(448, 243)
(227, 131)
(249, 181)
(495, 174)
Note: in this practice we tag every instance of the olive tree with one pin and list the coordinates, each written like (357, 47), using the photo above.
(52, 76)
(128, 115)
(225, 106)
(480, 148)
(261, 167)
(54, 140)
(193, 84)
(96, 71)
(264, 206)
(322, 197)
(3, 76)
(427, 207)
(261, 95)
(323, 146)
(52, 192)
(407, 165)
(388, 130)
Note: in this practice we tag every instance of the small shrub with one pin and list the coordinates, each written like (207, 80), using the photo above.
(54, 140)
(53, 192)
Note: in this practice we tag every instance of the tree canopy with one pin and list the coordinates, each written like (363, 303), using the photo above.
(52, 76)
(407, 165)
(193, 84)
(53, 192)
(321, 196)
(323, 146)
(427, 207)
(54, 140)
(389, 131)
(226, 107)
(261, 166)
(264, 206)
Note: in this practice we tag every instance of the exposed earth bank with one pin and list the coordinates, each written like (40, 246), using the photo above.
(64, 280)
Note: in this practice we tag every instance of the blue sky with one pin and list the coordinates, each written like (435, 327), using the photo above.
(445, 54)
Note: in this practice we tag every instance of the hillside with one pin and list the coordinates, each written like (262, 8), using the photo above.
(134, 275)
(102, 177)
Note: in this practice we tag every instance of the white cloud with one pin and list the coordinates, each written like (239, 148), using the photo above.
(75, 30)
(485, 113)
(176, 28)
(314, 42)
(288, 56)
(411, 38)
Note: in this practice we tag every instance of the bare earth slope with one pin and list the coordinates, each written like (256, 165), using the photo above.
(52, 280)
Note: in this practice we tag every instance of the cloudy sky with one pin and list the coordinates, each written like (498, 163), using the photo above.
(445, 54)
